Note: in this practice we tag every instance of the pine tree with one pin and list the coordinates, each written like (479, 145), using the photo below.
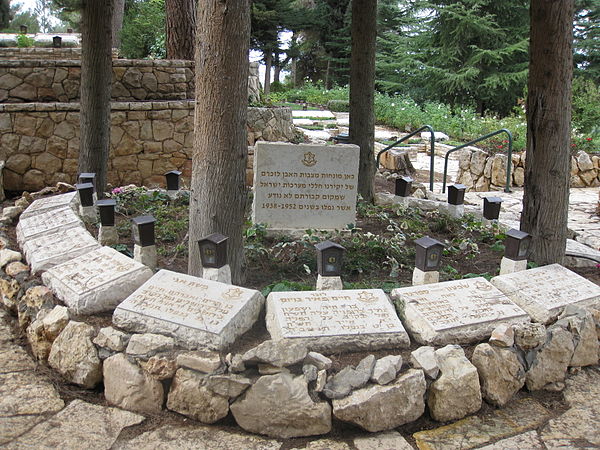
(587, 39)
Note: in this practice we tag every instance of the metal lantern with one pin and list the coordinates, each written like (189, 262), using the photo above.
(57, 42)
(329, 258)
(403, 186)
(23, 29)
(86, 194)
(213, 250)
(88, 178)
(429, 254)
(456, 194)
(143, 230)
(107, 212)
(491, 207)
(517, 245)
(173, 180)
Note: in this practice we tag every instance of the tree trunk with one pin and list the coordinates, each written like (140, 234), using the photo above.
(96, 80)
(117, 23)
(180, 17)
(218, 197)
(277, 74)
(268, 63)
(294, 73)
(362, 87)
(547, 169)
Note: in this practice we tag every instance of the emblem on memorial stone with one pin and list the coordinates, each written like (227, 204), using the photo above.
(232, 294)
(367, 297)
(481, 286)
(309, 159)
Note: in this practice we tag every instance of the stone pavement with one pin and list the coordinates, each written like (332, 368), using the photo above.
(33, 416)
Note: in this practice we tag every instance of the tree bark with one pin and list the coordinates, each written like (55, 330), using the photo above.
(268, 64)
(96, 80)
(117, 23)
(218, 197)
(180, 17)
(362, 87)
(547, 169)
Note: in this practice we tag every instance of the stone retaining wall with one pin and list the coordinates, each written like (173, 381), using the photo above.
(482, 172)
(40, 142)
(17, 53)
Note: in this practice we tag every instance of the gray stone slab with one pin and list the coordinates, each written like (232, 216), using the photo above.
(455, 312)
(305, 186)
(50, 203)
(543, 292)
(12, 427)
(336, 320)
(46, 222)
(195, 311)
(96, 281)
(48, 250)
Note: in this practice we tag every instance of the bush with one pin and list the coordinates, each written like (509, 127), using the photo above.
(338, 105)
(586, 113)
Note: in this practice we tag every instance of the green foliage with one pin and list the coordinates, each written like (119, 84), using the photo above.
(24, 41)
(586, 45)
(143, 28)
(285, 286)
(338, 105)
(586, 110)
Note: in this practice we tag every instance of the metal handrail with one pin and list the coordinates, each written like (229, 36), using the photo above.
(408, 136)
(475, 141)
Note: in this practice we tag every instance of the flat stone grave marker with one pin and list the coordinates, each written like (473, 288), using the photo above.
(337, 320)
(544, 291)
(50, 203)
(96, 281)
(48, 250)
(46, 222)
(455, 312)
(305, 186)
(195, 311)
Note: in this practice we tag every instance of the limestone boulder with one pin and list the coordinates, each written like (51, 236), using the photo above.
(146, 345)
(519, 176)
(319, 361)
(161, 367)
(75, 357)
(8, 293)
(190, 396)
(499, 169)
(386, 369)
(529, 335)
(549, 363)
(456, 393)
(40, 346)
(230, 386)
(280, 406)
(349, 378)
(503, 336)
(205, 361)
(7, 256)
(580, 323)
(424, 358)
(278, 353)
(478, 159)
(112, 339)
(377, 408)
(501, 374)
(127, 386)
(55, 322)
(584, 162)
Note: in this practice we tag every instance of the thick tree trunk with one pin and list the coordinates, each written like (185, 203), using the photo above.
(294, 73)
(96, 80)
(277, 74)
(362, 87)
(268, 64)
(180, 16)
(218, 198)
(547, 171)
(117, 23)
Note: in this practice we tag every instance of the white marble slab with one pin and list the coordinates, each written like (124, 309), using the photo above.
(195, 311)
(46, 222)
(544, 291)
(96, 281)
(51, 249)
(338, 320)
(50, 203)
(455, 312)
(305, 186)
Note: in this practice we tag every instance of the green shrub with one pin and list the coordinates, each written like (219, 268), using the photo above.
(24, 41)
(338, 105)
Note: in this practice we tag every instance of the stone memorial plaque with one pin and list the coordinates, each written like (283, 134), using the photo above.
(195, 311)
(337, 320)
(49, 203)
(46, 222)
(55, 248)
(96, 281)
(455, 312)
(305, 186)
(544, 291)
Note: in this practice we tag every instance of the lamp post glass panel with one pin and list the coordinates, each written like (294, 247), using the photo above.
(403, 186)
(88, 178)
(491, 207)
(456, 194)
(143, 230)
(107, 212)
(86, 194)
(173, 180)
(329, 259)
(517, 244)
(429, 254)
(213, 250)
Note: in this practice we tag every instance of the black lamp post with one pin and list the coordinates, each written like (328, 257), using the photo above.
(173, 180)
(86, 194)
(23, 29)
(107, 212)
(456, 194)
(213, 250)
(491, 207)
(143, 230)
(517, 245)
(329, 259)
(403, 186)
(88, 178)
(429, 254)
(57, 42)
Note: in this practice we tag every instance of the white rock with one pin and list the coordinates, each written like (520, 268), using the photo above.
(437, 136)
(75, 357)
(321, 380)
(349, 378)
(503, 336)
(319, 361)
(549, 363)
(310, 372)
(279, 406)
(584, 162)
(10, 212)
(205, 361)
(424, 358)
(230, 386)
(278, 353)
(108, 236)
(581, 325)
(378, 408)
(386, 368)
(146, 345)
(112, 339)
(146, 255)
(8, 256)
(529, 335)
(55, 322)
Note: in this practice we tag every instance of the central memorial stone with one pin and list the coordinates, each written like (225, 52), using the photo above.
(195, 311)
(455, 312)
(50, 203)
(342, 320)
(305, 186)
(48, 221)
(544, 291)
(96, 281)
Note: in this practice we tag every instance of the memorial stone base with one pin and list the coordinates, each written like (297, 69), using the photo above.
(108, 236)
(420, 277)
(329, 283)
(146, 255)
(220, 274)
(88, 213)
(456, 211)
(511, 266)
